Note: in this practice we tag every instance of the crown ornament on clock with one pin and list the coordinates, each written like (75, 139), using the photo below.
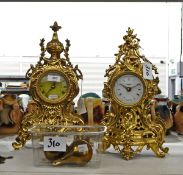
(132, 82)
(53, 87)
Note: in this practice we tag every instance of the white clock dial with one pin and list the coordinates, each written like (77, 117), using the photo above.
(128, 89)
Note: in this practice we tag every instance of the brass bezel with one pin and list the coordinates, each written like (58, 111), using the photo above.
(47, 99)
(117, 99)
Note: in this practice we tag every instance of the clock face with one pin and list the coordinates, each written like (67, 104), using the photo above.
(53, 86)
(128, 89)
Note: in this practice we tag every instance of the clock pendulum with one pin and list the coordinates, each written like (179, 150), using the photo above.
(131, 85)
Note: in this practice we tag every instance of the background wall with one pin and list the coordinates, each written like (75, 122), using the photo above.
(93, 71)
(95, 30)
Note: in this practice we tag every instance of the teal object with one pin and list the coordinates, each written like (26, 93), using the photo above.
(178, 99)
(90, 94)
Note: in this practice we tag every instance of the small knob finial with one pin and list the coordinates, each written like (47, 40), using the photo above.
(55, 27)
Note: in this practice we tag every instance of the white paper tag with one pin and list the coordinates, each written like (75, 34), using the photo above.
(54, 143)
(82, 148)
(147, 71)
(53, 96)
(55, 78)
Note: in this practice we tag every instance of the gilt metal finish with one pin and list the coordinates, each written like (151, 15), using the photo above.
(50, 111)
(132, 127)
(73, 155)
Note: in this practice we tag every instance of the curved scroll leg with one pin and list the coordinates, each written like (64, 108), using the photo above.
(165, 150)
(156, 149)
(21, 139)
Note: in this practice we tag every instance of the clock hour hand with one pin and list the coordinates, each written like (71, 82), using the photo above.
(52, 87)
(126, 87)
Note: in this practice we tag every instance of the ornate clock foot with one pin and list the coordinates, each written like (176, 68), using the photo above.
(165, 150)
(17, 145)
(156, 149)
(127, 152)
(21, 140)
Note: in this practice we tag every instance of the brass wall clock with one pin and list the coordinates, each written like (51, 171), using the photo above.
(132, 82)
(53, 86)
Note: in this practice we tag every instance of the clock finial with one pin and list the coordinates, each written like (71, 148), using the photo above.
(55, 27)
(55, 47)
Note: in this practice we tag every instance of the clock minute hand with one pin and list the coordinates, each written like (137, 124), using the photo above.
(136, 85)
(52, 87)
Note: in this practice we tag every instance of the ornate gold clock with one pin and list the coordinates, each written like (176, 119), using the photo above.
(53, 86)
(131, 85)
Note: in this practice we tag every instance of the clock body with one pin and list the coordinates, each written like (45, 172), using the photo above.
(53, 86)
(129, 120)
(128, 89)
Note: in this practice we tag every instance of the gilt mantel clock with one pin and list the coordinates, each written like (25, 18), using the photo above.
(132, 82)
(53, 86)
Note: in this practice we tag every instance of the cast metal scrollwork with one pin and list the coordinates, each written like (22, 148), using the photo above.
(131, 128)
(59, 112)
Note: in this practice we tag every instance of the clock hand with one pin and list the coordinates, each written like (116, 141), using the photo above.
(135, 85)
(52, 87)
(126, 87)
